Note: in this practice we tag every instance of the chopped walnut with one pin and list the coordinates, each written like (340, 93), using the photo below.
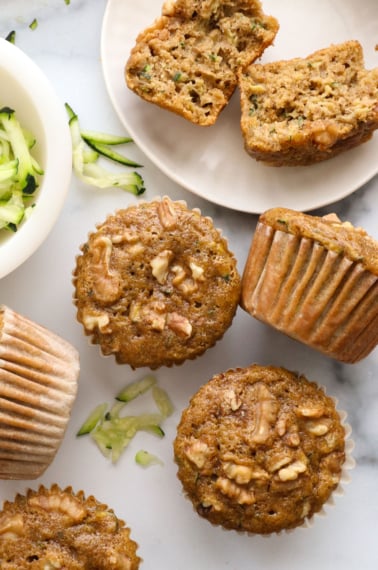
(179, 325)
(136, 249)
(180, 275)
(60, 502)
(278, 461)
(106, 284)
(242, 474)
(99, 320)
(11, 527)
(232, 490)
(318, 428)
(166, 213)
(232, 400)
(160, 265)
(326, 136)
(266, 415)
(310, 411)
(197, 271)
(197, 452)
(291, 472)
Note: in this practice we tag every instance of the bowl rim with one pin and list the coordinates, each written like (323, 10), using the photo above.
(57, 161)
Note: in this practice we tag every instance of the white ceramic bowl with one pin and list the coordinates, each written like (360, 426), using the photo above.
(25, 88)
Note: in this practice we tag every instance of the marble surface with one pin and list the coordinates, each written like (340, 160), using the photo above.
(66, 45)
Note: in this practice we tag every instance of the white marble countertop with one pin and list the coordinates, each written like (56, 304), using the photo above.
(66, 45)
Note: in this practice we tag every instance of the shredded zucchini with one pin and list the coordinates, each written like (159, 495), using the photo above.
(112, 432)
(19, 171)
(146, 459)
(88, 146)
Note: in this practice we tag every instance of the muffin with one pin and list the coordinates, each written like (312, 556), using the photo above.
(38, 385)
(260, 449)
(187, 60)
(315, 279)
(57, 528)
(156, 284)
(305, 110)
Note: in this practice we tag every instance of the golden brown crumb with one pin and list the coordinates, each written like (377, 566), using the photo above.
(302, 111)
(186, 61)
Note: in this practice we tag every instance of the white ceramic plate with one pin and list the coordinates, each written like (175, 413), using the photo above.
(211, 162)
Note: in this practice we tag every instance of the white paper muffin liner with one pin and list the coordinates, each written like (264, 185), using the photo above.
(38, 385)
(312, 294)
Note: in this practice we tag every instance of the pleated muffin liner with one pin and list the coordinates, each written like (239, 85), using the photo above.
(312, 294)
(158, 198)
(38, 386)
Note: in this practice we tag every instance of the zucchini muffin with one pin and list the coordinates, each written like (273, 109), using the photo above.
(156, 284)
(187, 60)
(303, 111)
(260, 449)
(315, 279)
(38, 385)
(57, 528)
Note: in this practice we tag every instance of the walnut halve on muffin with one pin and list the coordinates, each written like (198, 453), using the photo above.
(156, 284)
(260, 449)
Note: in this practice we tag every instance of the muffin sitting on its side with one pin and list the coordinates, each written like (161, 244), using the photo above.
(156, 284)
(187, 60)
(38, 385)
(303, 111)
(315, 279)
(259, 449)
(57, 528)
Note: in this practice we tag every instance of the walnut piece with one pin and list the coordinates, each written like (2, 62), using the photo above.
(92, 320)
(60, 502)
(11, 527)
(318, 428)
(232, 400)
(197, 452)
(106, 283)
(160, 265)
(291, 472)
(266, 414)
(179, 325)
(233, 491)
(166, 213)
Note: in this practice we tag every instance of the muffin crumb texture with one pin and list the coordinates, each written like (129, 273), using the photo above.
(156, 284)
(187, 60)
(57, 528)
(305, 110)
(260, 449)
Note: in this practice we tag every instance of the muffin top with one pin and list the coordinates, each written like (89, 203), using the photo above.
(329, 231)
(259, 449)
(156, 284)
(56, 528)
